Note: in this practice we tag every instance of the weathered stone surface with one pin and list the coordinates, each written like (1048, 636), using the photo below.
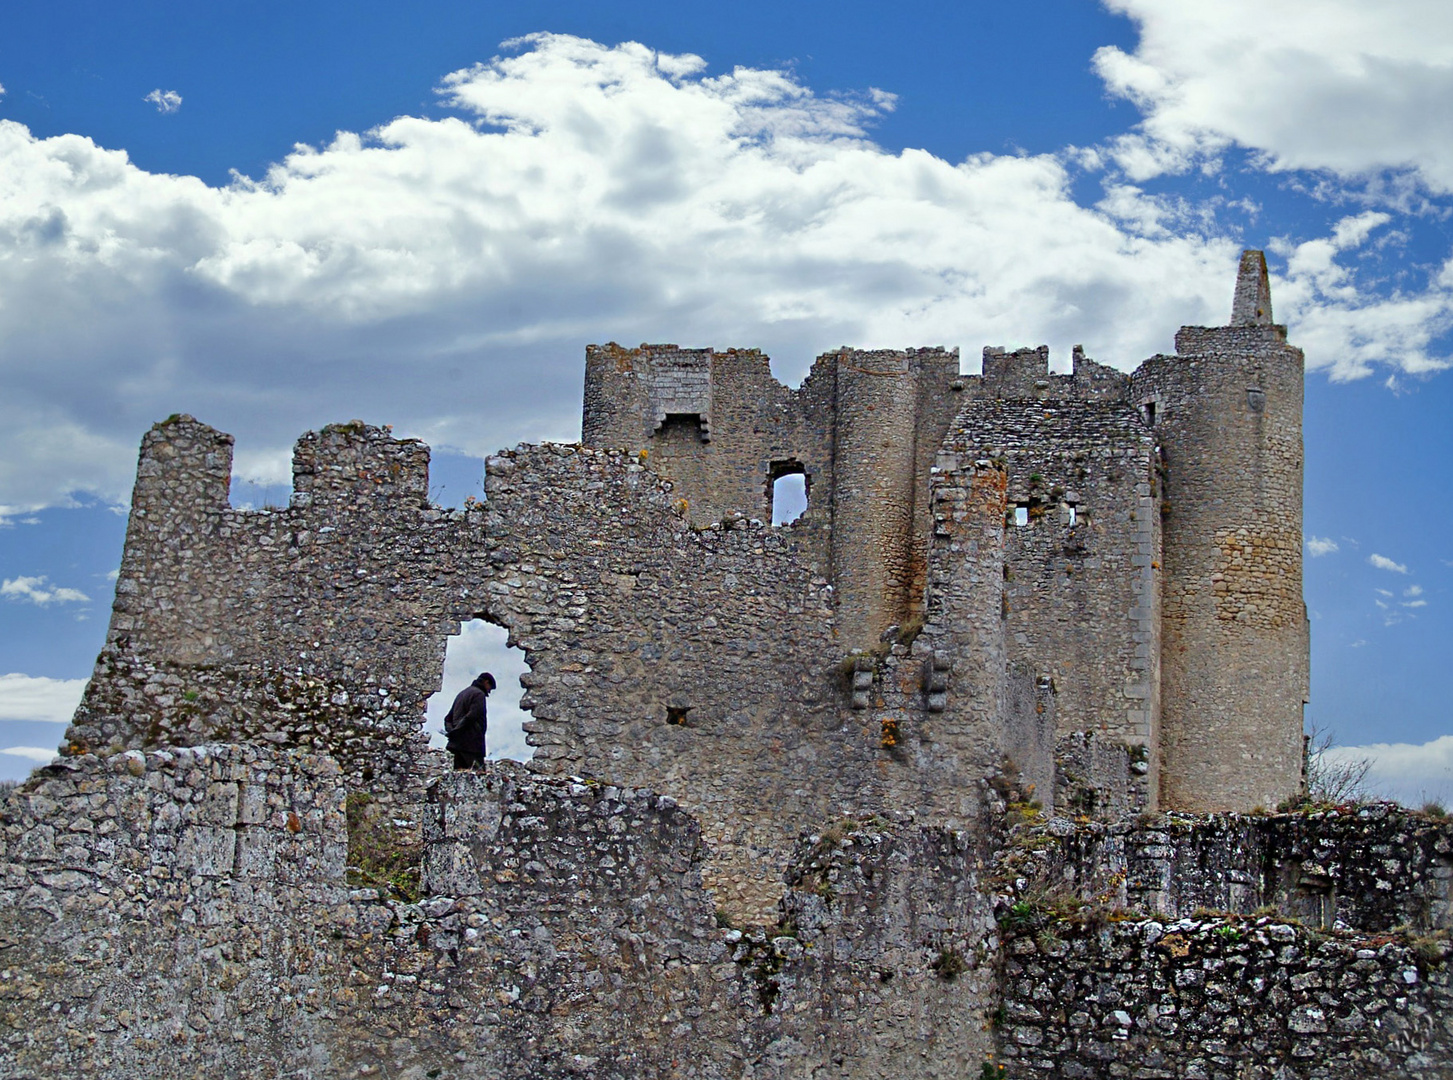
(760, 833)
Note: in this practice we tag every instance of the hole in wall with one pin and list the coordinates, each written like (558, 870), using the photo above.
(455, 477)
(676, 714)
(682, 427)
(481, 646)
(1021, 516)
(789, 496)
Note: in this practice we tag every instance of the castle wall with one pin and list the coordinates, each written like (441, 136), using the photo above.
(703, 662)
(743, 421)
(1224, 1000)
(1081, 576)
(184, 912)
(1024, 375)
(318, 625)
(863, 428)
(1228, 411)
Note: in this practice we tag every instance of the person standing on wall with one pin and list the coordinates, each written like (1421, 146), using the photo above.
(467, 722)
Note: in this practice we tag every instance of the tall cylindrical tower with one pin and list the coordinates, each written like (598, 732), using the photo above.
(1227, 412)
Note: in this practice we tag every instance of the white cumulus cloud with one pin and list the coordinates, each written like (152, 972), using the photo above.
(37, 754)
(34, 698)
(445, 274)
(166, 101)
(36, 591)
(1382, 562)
(1338, 85)
(1320, 545)
(1407, 772)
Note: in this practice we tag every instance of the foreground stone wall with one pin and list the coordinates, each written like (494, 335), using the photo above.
(181, 911)
(1225, 1000)
(1311, 946)
(1373, 868)
(171, 912)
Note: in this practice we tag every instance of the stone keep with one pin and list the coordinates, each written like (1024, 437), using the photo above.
(1087, 582)
(1152, 560)
(768, 829)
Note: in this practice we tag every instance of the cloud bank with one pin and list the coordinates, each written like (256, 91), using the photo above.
(1337, 85)
(26, 697)
(444, 274)
(1408, 773)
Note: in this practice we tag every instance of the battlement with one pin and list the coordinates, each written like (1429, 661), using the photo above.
(354, 464)
(185, 467)
(1019, 570)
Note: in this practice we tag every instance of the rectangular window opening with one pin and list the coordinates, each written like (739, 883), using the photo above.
(787, 492)
(1021, 515)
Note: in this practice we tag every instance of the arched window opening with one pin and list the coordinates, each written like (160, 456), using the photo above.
(481, 646)
(787, 491)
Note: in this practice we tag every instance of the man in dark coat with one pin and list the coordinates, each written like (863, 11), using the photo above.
(467, 721)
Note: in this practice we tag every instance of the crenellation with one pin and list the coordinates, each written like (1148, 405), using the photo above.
(768, 828)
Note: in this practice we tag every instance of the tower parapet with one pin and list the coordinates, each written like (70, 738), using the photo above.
(1227, 412)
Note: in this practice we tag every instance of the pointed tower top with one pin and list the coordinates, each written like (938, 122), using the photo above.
(1252, 305)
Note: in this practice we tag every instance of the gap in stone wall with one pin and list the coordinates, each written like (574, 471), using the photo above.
(789, 498)
(254, 493)
(480, 646)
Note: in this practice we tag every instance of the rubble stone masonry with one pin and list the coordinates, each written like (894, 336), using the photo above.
(769, 825)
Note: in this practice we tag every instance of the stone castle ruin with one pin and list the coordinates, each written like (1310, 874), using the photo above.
(769, 828)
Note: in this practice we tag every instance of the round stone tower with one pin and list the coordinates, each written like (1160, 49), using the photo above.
(1227, 412)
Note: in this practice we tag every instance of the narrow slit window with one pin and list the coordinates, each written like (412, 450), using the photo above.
(1071, 514)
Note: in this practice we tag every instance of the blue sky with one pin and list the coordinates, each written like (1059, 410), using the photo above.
(275, 215)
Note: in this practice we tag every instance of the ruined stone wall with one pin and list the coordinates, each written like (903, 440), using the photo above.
(722, 463)
(933, 694)
(1309, 945)
(1024, 375)
(703, 662)
(321, 624)
(1373, 868)
(1228, 413)
(1081, 573)
(171, 912)
(179, 912)
(1225, 1000)
(863, 429)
